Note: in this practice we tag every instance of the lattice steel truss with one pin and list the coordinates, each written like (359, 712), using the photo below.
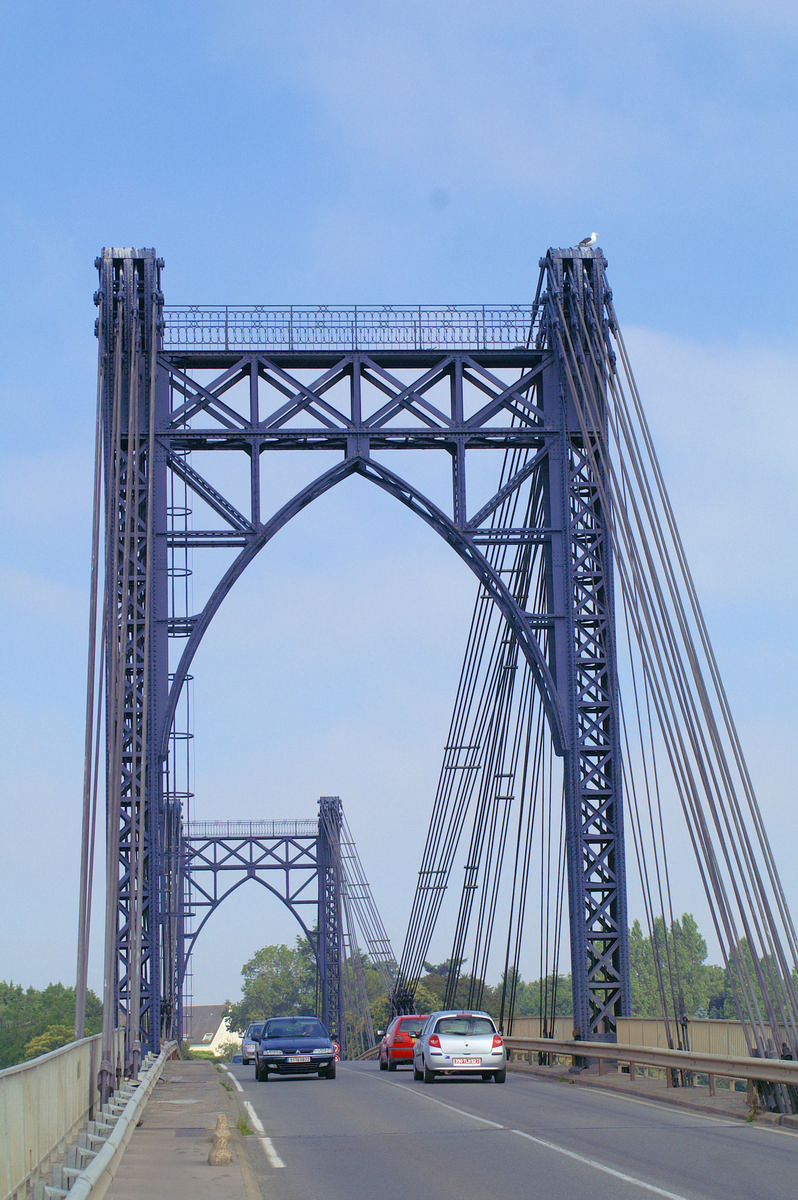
(295, 861)
(357, 390)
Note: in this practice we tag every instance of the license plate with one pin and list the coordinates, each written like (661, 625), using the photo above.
(466, 1062)
(296, 1058)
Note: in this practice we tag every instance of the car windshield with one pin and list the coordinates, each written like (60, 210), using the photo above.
(254, 1031)
(463, 1025)
(294, 1027)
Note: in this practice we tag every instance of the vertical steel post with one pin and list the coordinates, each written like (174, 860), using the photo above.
(330, 941)
(135, 596)
(579, 576)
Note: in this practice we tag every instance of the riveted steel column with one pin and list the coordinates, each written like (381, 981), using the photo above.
(129, 328)
(584, 659)
(330, 941)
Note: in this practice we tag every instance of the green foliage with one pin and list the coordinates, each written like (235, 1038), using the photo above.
(277, 980)
(545, 997)
(53, 1037)
(27, 1015)
(227, 1050)
(669, 974)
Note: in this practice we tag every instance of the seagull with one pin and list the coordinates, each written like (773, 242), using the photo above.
(589, 241)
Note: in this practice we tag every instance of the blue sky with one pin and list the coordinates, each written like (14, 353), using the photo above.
(422, 152)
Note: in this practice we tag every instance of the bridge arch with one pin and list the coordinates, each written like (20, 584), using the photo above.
(192, 937)
(423, 507)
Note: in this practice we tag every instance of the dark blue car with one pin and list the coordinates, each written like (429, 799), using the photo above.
(294, 1046)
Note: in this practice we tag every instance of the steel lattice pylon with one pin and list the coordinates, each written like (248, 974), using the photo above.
(457, 382)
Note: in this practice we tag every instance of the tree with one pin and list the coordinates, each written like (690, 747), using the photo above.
(53, 1037)
(669, 974)
(277, 981)
(27, 1014)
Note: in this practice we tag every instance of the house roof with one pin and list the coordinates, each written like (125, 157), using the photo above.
(201, 1022)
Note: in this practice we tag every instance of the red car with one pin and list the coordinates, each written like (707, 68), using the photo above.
(397, 1044)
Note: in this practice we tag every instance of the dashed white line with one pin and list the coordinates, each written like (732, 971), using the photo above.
(589, 1162)
(257, 1124)
(270, 1152)
(268, 1149)
(597, 1166)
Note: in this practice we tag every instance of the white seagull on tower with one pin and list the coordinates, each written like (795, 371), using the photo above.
(589, 241)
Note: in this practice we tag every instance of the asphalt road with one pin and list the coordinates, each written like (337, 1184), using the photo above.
(369, 1135)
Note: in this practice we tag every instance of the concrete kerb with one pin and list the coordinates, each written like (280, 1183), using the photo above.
(94, 1182)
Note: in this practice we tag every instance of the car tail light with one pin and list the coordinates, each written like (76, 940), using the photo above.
(434, 1040)
(399, 1039)
(497, 1041)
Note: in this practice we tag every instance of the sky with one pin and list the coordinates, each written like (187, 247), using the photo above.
(359, 153)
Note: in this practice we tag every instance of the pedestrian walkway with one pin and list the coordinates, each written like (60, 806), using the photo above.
(167, 1156)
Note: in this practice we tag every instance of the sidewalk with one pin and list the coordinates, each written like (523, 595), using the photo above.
(168, 1152)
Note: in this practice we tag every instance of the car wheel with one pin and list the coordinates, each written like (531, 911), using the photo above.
(390, 1065)
(261, 1074)
(500, 1076)
(416, 1073)
(429, 1076)
(330, 1073)
(383, 1065)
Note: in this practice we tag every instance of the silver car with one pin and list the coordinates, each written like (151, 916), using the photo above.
(250, 1040)
(454, 1042)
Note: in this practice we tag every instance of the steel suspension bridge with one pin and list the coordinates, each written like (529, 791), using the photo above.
(589, 700)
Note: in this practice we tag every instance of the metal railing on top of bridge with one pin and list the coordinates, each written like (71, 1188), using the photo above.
(251, 829)
(297, 327)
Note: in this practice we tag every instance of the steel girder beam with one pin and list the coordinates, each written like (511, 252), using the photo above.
(243, 396)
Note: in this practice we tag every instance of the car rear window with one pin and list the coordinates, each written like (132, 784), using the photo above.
(411, 1024)
(465, 1025)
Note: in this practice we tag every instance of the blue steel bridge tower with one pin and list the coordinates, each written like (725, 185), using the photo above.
(181, 388)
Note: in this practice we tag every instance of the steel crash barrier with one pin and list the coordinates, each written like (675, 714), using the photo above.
(609, 1054)
(52, 1121)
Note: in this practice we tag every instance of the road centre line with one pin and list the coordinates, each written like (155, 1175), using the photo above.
(589, 1162)
(597, 1166)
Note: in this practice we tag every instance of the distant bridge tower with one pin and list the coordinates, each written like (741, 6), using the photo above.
(455, 382)
(299, 862)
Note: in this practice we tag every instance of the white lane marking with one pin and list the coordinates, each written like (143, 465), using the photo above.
(597, 1166)
(230, 1075)
(270, 1152)
(460, 1111)
(257, 1124)
(589, 1162)
(266, 1142)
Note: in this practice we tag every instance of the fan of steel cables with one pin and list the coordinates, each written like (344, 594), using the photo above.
(498, 803)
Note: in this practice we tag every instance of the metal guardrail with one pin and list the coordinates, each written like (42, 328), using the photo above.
(42, 1105)
(767, 1070)
(298, 328)
(94, 1181)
